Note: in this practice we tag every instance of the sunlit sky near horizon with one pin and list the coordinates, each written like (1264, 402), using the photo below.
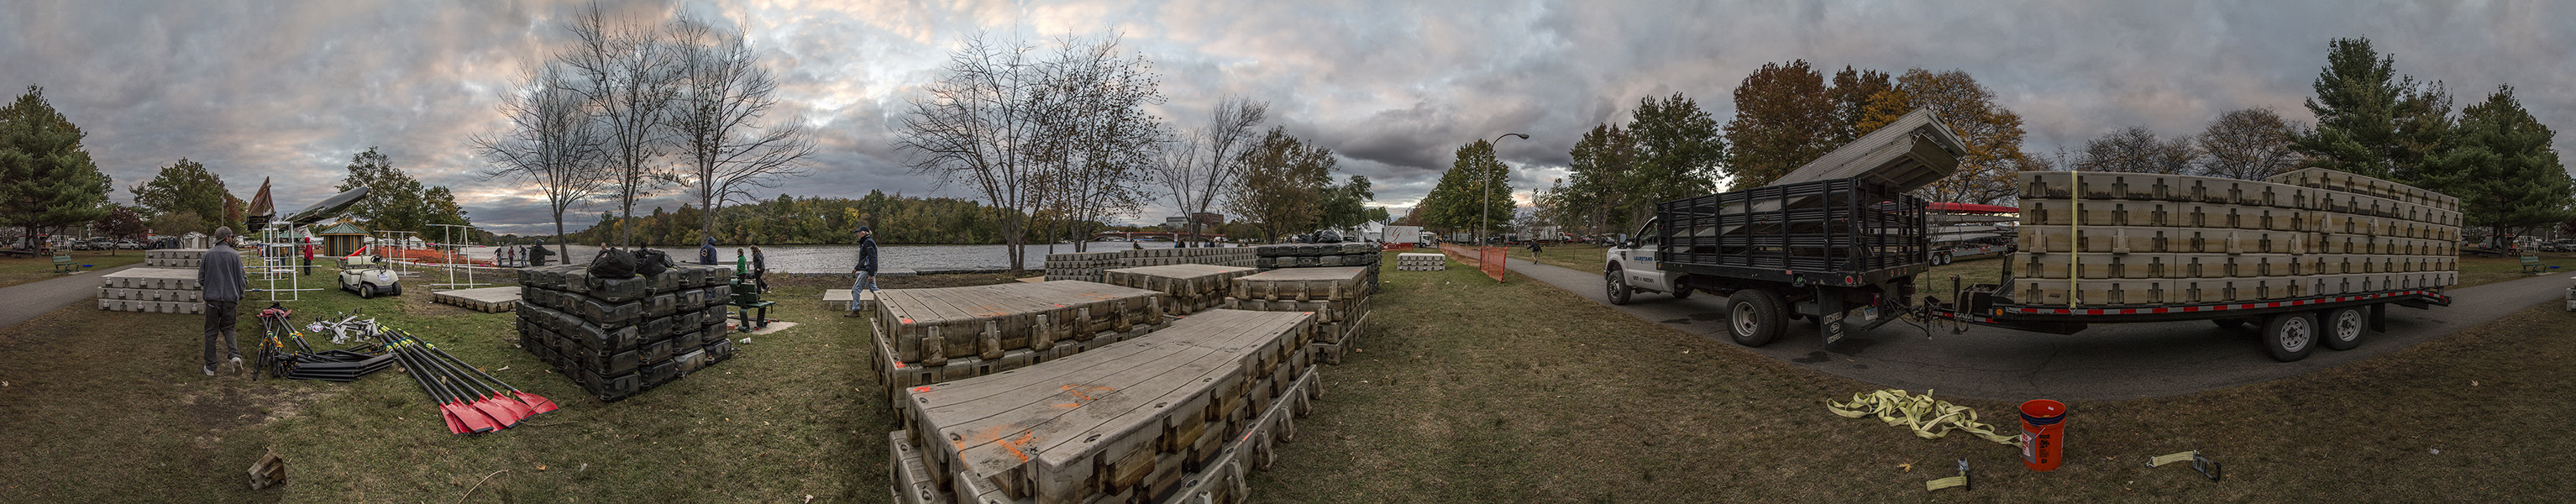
(290, 90)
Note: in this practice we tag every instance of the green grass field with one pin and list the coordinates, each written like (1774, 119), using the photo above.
(1464, 390)
(18, 270)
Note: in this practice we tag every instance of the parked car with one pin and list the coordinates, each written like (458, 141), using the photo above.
(129, 245)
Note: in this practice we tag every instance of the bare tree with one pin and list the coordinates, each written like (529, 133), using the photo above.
(2248, 144)
(1098, 137)
(1194, 179)
(718, 121)
(553, 142)
(630, 73)
(977, 125)
(2137, 150)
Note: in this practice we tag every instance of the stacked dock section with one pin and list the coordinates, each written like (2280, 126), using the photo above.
(619, 337)
(1415, 261)
(1338, 296)
(2150, 239)
(927, 336)
(1186, 288)
(173, 258)
(1183, 414)
(1091, 266)
(152, 290)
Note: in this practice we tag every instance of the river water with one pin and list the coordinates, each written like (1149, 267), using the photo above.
(890, 258)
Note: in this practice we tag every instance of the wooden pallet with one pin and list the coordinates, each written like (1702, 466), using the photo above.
(1130, 419)
(486, 300)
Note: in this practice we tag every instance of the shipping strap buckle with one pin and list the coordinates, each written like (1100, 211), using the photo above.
(1960, 481)
(2206, 466)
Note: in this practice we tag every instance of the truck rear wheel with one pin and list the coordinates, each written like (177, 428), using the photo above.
(1754, 317)
(2290, 336)
(2343, 327)
(1619, 290)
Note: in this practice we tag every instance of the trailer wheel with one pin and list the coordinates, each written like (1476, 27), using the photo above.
(1940, 259)
(2290, 336)
(2344, 327)
(1619, 291)
(1754, 317)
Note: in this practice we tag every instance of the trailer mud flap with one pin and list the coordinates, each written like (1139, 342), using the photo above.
(1829, 306)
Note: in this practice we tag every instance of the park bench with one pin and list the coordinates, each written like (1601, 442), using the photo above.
(64, 263)
(2532, 264)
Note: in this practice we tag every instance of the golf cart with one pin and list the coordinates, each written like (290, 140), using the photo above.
(367, 277)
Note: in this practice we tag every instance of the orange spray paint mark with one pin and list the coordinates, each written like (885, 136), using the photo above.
(1084, 394)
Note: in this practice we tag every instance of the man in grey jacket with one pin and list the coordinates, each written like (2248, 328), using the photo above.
(220, 273)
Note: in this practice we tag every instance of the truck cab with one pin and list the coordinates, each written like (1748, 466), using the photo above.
(1630, 267)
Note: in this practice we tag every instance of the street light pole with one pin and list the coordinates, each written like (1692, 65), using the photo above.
(1485, 207)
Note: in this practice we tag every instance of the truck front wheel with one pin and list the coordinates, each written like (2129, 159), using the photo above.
(1754, 317)
(1619, 290)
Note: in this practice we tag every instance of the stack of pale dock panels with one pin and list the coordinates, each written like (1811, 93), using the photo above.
(2149, 239)
(1339, 297)
(174, 258)
(1089, 266)
(1415, 261)
(619, 337)
(1183, 414)
(152, 290)
(1186, 288)
(927, 336)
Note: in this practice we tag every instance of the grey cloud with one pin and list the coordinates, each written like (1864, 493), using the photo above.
(290, 89)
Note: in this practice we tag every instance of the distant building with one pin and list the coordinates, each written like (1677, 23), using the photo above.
(1175, 222)
(1208, 218)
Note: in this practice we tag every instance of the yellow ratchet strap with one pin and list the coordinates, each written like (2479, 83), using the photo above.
(1929, 418)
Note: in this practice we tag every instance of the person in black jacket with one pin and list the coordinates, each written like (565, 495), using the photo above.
(865, 270)
(760, 270)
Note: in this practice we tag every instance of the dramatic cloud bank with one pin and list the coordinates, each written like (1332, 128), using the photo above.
(289, 90)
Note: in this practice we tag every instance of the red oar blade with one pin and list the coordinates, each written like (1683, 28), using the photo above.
(454, 426)
(500, 415)
(516, 407)
(475, 421)
(537, 404)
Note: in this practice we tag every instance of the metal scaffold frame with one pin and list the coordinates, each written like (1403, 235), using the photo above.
(451, 256)
(275, 263)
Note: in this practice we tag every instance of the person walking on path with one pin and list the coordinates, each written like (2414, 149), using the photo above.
(707, 251)
(759, 270)
(865, 270)
(1533, 250)
(219, 273)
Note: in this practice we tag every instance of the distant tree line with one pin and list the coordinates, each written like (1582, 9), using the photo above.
(2371, 120)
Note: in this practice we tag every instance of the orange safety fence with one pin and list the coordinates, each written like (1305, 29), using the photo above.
(1488, 259)
(1395, 246)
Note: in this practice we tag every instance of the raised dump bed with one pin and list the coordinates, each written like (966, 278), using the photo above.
(1187, 288)
(1138, 421)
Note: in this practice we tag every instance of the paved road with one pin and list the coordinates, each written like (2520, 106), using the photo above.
(2106, 362)
(27, 300)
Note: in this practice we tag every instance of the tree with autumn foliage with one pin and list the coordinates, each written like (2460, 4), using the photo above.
(1784, 118)
(1992, 133)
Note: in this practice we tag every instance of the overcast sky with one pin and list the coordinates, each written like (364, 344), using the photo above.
(291, 90)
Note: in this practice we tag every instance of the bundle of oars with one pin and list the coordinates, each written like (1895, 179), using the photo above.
(469, 400)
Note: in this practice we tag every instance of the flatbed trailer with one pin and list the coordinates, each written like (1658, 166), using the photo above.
(1829, 248)
(2291, 328)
